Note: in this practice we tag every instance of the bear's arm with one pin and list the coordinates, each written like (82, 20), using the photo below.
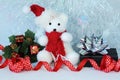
(66, 37)
(43, 40)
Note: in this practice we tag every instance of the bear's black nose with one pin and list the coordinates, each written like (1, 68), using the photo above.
(54, 29)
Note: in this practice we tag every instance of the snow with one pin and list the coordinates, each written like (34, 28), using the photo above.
(62, 74)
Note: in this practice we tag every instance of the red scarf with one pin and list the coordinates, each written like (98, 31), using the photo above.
(55, 44)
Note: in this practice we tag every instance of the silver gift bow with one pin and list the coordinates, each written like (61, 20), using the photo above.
(95, 44)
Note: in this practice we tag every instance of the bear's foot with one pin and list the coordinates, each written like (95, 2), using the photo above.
(73, 58)
(44, 56)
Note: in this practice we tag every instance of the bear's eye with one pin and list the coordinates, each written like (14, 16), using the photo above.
(50, 23)
(58, 24)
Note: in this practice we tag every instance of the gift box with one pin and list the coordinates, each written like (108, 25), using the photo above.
(19, 38)
(98, 57)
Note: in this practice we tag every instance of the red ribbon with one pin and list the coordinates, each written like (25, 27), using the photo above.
(20, 64)
(1, 47)
(107, 64)
(5, 62)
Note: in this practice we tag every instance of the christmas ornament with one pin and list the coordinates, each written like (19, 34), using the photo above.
(19, 38)
(93, 44)
(34, 49)
(22, 45)
(55, 37)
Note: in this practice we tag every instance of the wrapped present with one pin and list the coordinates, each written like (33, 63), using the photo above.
(19, 38)
(98, 57)
(95, 47)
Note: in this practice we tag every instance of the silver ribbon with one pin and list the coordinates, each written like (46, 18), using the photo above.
(95, 44)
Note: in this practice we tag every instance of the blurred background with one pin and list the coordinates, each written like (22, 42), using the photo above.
(101, 17)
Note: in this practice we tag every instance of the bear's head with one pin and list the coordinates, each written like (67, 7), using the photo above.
(49, 19)
(52, 21)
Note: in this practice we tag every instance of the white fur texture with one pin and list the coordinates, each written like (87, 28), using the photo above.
(50, 21)
(44, 56)
(73, 57)
(49, 16)
(44, 19)
(26, 9)
(43, 40)
(58, 23)
(66, 37)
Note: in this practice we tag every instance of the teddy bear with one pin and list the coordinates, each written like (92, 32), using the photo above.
(57, 40)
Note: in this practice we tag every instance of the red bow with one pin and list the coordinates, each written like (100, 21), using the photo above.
(19, 64)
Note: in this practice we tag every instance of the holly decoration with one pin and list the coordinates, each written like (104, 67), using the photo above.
(22, 46)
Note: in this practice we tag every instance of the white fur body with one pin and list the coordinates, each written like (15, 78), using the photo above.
(71, 55)
(51, 21)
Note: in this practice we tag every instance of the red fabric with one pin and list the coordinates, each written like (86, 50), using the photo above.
(55, 44)
(36, 9)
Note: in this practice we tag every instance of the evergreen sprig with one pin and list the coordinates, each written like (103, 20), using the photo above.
(22, 48)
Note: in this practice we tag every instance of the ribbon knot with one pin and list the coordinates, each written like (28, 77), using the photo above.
(20, 64)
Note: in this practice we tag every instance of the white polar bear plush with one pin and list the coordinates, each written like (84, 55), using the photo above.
(56, 39)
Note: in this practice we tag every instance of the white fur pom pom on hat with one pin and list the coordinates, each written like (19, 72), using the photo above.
(36, 9)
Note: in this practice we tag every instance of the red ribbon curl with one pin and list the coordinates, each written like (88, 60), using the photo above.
(107, 64)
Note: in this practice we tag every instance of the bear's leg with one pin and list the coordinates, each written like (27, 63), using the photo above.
(73, 57)
(44, 56)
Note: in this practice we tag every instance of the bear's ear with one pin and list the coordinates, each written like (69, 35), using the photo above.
(64, 18)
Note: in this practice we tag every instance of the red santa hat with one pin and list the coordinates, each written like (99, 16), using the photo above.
(36, 9)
